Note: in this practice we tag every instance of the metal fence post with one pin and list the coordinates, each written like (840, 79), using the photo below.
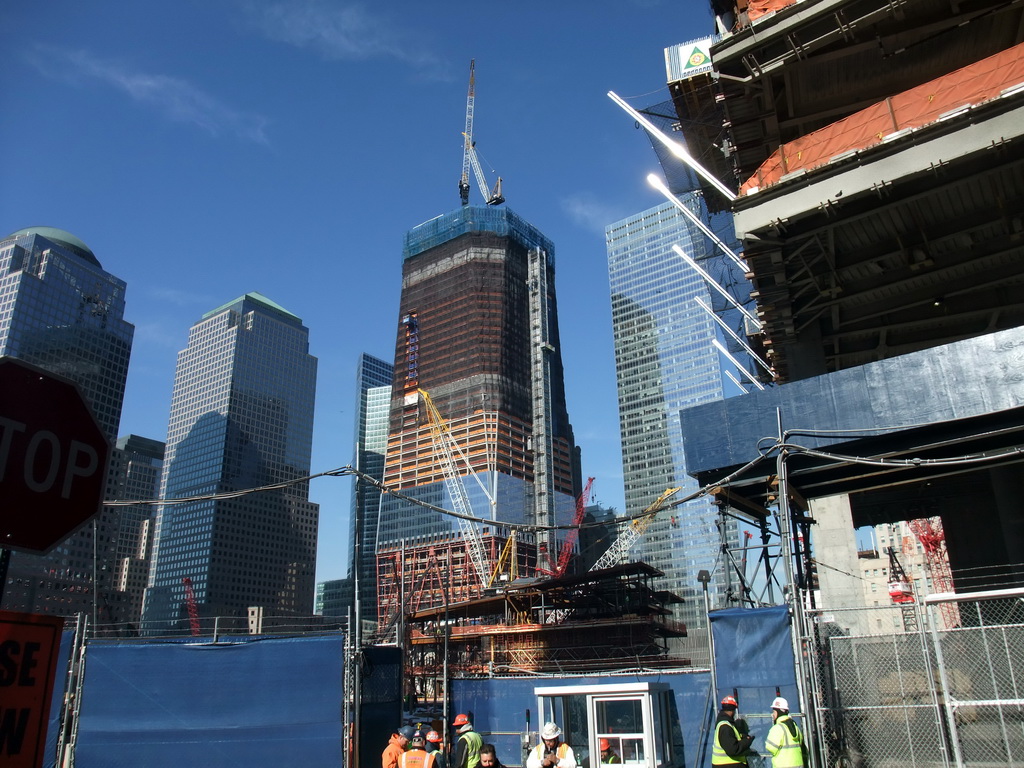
(940, 662)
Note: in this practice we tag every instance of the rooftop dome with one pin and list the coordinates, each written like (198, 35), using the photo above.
(60, 237)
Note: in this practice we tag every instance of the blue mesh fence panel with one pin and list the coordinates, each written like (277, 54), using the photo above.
(381, 700)
(268, 702)
(754, 654)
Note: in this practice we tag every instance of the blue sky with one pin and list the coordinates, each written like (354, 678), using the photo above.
(207, 149)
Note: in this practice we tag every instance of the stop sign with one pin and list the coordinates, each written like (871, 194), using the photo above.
(53, 458)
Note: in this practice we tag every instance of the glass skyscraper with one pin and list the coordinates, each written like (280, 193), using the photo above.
(665, 362)
(60, 310)
(241, 418)
(373, 383)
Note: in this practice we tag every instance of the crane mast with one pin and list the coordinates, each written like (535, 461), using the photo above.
(445, 448)
(469, 156)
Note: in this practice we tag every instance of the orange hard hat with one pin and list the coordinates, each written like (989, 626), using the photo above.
(460, 720)
(604, 744)
(729, 701)
(434, 737)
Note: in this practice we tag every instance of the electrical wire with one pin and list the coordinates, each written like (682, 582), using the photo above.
(764, 452)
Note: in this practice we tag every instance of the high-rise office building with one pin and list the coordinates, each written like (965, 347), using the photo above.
(60, 310)
(478, 333)
(333, 598)
(373, 385)
(241, 418)
(136, 464)
(665, 362)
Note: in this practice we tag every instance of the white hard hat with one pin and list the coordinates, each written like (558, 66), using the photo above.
(780, 703)
(550, 731)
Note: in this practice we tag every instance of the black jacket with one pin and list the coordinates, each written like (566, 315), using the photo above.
(727, 737)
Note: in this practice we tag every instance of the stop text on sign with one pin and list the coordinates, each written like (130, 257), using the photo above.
(46, 462)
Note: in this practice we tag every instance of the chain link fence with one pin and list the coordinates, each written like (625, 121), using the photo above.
(897, 685)
(980, 666)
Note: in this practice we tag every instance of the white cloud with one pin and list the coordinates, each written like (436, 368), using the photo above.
(590, 213)
(342, 31)
(174, 98)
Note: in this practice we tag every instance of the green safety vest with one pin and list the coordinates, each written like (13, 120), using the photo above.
(473, 743)
(786, 748)
(718, 755)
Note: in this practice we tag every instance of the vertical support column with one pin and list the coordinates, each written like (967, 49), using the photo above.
(540, 379)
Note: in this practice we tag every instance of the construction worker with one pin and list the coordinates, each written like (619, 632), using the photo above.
(434, 744)
(551, 751)
(393, 752)
(416, 756)
(785, 742)
(489, 757)
(608, 754)
(467, 748)
(730, 747)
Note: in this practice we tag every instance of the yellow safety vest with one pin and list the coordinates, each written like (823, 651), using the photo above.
(785, 748)
(718, 754)
(473, 743)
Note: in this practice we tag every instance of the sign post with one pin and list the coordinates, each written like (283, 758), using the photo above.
(53, 458)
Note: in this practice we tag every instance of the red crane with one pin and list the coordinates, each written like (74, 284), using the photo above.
(574, 533)
(190, 602)
(930, 533)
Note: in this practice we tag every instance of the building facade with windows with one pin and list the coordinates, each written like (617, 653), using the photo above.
(665, 362)
(478, 333)
(60, 310)
(241, 418)
(373, 383)
(136, 464)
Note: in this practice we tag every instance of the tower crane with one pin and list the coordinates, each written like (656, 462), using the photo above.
(444, 448)
(190, 602)
(574, 533)
(469, 156)
(930, 533)
(628, 536)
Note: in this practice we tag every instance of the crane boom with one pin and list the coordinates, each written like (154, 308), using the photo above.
(467, 135)
(444, 445)
(469, 156)
(628, 536)
(574, 532)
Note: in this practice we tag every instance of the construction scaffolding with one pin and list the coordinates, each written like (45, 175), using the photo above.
(606, 620)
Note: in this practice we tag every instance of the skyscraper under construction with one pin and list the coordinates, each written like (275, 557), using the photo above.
(478, 421)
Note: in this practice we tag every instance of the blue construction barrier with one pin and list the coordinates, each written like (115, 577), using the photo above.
(754, 656)
(266, 702)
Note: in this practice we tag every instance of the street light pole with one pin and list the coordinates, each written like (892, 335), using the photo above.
(704, 577)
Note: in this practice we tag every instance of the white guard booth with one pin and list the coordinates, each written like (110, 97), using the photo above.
(634, 717)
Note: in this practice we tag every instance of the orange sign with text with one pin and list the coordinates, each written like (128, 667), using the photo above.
(29, 646)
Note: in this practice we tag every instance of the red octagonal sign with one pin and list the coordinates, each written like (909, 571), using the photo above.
(53, 458)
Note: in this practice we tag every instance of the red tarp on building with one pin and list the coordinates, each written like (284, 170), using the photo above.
(971, 85)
